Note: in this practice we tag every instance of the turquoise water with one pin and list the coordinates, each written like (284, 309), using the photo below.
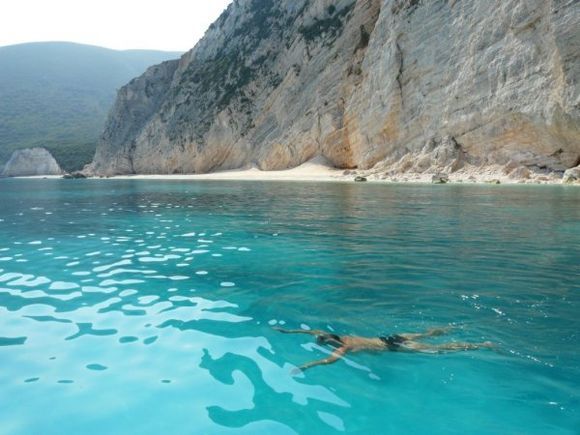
(139, 307)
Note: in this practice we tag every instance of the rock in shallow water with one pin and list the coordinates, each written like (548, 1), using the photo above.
(31, 162)
(572, 175)
(440, 179)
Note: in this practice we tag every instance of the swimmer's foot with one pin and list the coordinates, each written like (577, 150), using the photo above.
(436, 332)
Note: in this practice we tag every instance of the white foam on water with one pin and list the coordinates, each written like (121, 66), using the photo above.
(120, 271)
(272, 322)
(73, 263)
(35, 242)
(244, 249)
(188, 235)
(216, 255)
(498, 311)
(305, 327)
(126, 293)
(4, 249)
(228, 284)
(332, 420)
(182, 265)
(113, 282)
(61, 285)
(144, 300)
(84, 273)
(178, 299)
(199, 251)
(9, 276)
(36, 294)
(29, 281)
(92, 254)
(110, 266)
(201, 272)
(5, 258)
(160, 259)
(178, 278)
(180, 250)
(230, 248)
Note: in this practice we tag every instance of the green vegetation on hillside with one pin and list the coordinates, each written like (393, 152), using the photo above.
(331, 24)
(57, 95)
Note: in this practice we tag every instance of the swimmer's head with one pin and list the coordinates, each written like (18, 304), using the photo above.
(330, 339)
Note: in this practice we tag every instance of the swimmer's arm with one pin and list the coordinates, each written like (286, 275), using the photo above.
(336, 355)
(299, 331)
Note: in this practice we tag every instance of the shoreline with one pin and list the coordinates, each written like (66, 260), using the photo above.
(317, 170)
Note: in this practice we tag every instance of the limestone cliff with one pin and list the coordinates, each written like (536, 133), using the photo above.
(398, 85)
(30, 162)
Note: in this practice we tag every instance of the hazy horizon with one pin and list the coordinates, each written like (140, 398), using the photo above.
(130, 25)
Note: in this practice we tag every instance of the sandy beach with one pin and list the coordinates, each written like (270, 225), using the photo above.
(318, 169)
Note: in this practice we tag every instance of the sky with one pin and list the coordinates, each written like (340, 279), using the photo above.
(171, 25)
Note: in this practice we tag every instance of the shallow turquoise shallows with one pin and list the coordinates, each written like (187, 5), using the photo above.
(142, 307)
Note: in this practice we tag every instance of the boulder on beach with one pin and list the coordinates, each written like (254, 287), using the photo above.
(572, 175)
(440, 179)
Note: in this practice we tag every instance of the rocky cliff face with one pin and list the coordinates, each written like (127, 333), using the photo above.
(398, 85)
(30, 162)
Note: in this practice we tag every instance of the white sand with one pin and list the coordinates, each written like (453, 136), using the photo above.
(317, 169)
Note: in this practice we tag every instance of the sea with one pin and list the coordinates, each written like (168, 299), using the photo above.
(150, 307)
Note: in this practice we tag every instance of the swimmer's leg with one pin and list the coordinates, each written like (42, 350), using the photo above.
(433, 332)
(414, 346)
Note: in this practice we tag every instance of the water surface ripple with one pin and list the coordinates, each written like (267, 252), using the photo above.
(148, 307)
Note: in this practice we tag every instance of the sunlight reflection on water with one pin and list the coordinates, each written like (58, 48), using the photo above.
(154, 302)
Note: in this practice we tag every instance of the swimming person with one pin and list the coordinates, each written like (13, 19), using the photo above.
(404, 342)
